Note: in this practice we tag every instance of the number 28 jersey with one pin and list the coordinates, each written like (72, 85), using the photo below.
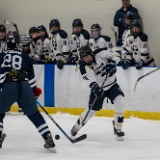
(16, 60)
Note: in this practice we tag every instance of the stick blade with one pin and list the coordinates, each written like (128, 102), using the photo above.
(81, 138)
(8, 22)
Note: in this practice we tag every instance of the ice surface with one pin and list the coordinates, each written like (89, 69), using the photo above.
(23, 142)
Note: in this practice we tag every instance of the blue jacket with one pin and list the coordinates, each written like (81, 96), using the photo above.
(118, 20)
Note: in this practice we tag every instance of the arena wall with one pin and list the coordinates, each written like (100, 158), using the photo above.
(66, 91)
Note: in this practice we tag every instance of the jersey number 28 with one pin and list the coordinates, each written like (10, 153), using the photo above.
(12, 61)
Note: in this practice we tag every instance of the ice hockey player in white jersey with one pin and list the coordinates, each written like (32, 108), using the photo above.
(3, 44)
(94, 70)
(35, 44)
(25, 45)
(127, 23)
(137, 48)
(60, 42)
(46, 52)
(79, 37)
(98, 41)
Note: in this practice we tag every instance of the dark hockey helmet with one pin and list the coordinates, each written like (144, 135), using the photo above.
(13, 37)
(25, 41)
(77, 23)
(131, 16)
(95, 26)
(136, 23)
(2, 28)
(54, 22)
(41, 28)
(84, 51)
(33, 30)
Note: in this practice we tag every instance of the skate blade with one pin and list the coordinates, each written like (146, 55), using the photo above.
(119, 138)
(52, 150)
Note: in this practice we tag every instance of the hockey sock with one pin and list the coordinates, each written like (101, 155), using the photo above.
(82, 116)
(119, 112)
(2, 115)
(40, 124)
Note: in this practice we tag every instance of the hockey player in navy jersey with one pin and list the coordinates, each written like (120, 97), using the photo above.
(94, 70)
(18, 84)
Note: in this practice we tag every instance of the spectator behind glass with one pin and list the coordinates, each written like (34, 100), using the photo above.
(118, 18)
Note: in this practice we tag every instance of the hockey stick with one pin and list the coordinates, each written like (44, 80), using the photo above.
(13, 24)
(115, 34)
(145, 76)
(95, 99)
(82, 137)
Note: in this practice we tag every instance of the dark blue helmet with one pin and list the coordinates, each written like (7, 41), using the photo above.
(33, 30)
(54, 22)
(84, 51)
(131, 16)
(2, 28)
(77, 23)
(41, 28)
(136, 23)
(95, 26)
(13, 37)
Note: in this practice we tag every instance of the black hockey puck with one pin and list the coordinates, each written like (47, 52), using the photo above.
(57, 137)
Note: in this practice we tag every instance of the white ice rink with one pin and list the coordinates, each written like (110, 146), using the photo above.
(142, 140)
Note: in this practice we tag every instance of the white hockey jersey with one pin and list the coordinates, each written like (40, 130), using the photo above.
(138, 49)
(96, 72)
(78, 41)
(3, 46)
(61, 44)
(101, 42)
(35, 47)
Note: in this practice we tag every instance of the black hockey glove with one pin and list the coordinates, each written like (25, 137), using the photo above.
(125, 63)
(111, 68)
(61, 62)
(96, 90)
(72, 60)
(139, 65)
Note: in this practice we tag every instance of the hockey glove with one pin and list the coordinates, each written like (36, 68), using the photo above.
(125, 64)
(37, 92)
(61, 62)
(96, 90)
(72, 60)
(139, 65)
(111, 68)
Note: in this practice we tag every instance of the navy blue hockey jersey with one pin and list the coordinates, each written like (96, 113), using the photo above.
(19, 61)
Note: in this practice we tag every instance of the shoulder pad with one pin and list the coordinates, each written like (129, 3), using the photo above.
(63, 34)
(106, 38)
(143, 37)
(85, 34)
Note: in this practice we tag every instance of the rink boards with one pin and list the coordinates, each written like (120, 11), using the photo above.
(65, 91)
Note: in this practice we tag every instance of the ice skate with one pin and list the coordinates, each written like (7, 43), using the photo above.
(119, 134)
(74, 131)
(49, 143)
(3, 136)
